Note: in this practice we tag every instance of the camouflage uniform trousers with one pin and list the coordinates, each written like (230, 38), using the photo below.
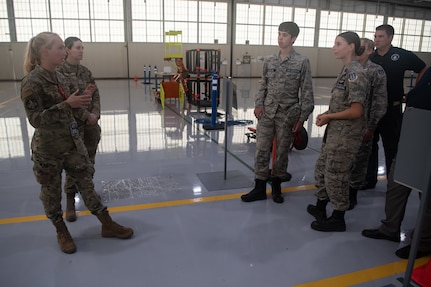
(334, 165)
(360, 164)
(280, 126)
(91, 138)
(47, 169)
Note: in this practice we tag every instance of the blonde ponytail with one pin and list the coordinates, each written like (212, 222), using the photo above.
(32, 55)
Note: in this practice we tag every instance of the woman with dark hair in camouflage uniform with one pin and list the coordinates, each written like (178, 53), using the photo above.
(345, 128)
(56, 144)
(78, 78)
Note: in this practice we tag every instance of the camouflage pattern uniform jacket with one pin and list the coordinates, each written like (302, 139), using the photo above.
(43, 94)
(377, 96)
(78, 77)
(286, 83)
(375, 108)
(286, 94)
(343, 137)
(56, 144)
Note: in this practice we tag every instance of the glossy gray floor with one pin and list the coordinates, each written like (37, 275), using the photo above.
(178, 186)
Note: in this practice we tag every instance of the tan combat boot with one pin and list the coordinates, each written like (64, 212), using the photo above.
(65, 240)
(70, 207)
(112, 229)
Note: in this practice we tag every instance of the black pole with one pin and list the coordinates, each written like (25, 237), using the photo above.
(232, 36)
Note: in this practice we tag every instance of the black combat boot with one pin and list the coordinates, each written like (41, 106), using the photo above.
(318, 210)
(257, 193)
(277, 196)
(334, 223)
(353, 198)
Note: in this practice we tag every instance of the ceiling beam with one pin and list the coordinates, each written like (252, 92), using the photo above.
(411, 3)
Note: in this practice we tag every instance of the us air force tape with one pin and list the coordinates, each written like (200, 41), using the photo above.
(300, 140)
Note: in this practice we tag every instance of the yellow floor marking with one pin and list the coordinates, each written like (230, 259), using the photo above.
(153, 205)
(366, 275)
(344, 280)
(3, 104)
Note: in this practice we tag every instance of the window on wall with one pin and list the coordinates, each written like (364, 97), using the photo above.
(249, 23)
(152, 18)
(426, 39)
(90, 20)
(329, 28)
(371, 22)
(397, 23)
(71, 19)
(212, 22)
(363, 24)
(353, 22)
(31, 18)
(412, 34)
(181, 15)
(201, 21)
(107, 20)
(147, 21)
(274, 15)
(4, 23)
(306, 20)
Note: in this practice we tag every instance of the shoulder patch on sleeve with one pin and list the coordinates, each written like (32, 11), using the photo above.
(353, 77)
(31, 104)
(381, 72)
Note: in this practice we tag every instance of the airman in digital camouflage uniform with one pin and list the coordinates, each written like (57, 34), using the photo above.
(79, 77)
(375, 109)
(56, 143)
(345, 128)
(284, 101)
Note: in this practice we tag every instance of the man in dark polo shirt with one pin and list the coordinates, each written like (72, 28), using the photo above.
(395, 61)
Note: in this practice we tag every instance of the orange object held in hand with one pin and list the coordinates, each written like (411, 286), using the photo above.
(90, 89)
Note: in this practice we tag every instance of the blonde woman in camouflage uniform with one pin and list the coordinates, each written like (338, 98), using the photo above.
(284, 101)
(56, 143)
(345, 128)
(375, 109)
(79, 77)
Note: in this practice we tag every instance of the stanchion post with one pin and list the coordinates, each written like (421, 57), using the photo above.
(145, 74)
(155, 76)
(214, 99)
(149, 74)
(228, 92)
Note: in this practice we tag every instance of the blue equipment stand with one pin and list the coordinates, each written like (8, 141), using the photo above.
(214, 125)
(147, 81)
